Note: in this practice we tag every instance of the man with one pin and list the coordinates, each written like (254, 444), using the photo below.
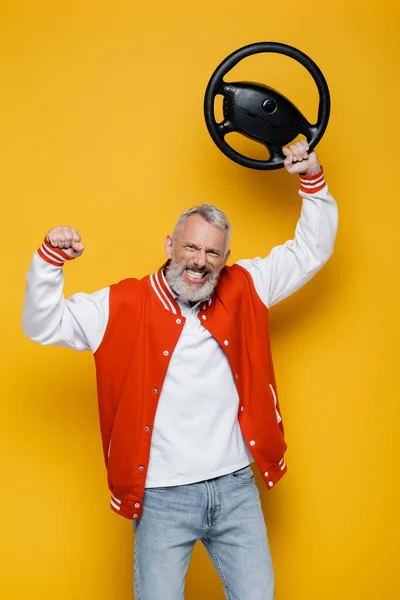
(186, 388)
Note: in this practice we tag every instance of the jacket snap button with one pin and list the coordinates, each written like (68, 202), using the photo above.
(204, 317)
(135, 516)
(226, 342)
(178, 321)
(147, 428)
(270, 484)
(165, 352)
(266, 473)
(155, 390)
(252, 443)
(141, 468)
(137, 505)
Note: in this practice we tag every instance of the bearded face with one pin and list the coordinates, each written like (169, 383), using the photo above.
(197, 254)
(191, 283)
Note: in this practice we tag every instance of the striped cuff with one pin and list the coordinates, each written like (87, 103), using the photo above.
(310, 184)
(54, 256)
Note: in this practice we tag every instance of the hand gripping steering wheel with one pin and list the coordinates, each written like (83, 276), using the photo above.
(260, 112)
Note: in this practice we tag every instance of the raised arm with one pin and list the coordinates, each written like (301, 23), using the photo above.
(289, 266)
(48, 318)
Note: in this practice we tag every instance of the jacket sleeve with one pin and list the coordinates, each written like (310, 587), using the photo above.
(290, 266)
(48, 318)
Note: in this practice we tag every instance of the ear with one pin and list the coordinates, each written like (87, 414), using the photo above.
(168, 247)
(227, 256)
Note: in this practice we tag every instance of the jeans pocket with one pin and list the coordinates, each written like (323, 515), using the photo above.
(244, 476)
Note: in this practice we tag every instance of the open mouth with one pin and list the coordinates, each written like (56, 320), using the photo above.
(196, 276)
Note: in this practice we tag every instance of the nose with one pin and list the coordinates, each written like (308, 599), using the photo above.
(200, 258)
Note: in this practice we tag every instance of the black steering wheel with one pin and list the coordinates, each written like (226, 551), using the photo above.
(260, 112)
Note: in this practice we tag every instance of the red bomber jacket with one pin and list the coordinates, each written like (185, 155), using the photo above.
(133, 327)
(144, 326)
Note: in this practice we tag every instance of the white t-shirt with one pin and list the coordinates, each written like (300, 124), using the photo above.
(196, 433)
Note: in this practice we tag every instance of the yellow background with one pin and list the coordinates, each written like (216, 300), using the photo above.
(101, 127)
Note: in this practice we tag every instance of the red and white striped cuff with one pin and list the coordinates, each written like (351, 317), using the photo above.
(310, 184)
(54, 256)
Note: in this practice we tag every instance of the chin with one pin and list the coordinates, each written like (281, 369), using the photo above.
(195, 293)
(191, 292)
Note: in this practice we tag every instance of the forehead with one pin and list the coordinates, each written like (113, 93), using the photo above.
(195, 229)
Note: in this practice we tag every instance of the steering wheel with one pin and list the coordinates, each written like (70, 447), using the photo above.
(261, 113)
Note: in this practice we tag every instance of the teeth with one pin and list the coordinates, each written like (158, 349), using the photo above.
(195, 274)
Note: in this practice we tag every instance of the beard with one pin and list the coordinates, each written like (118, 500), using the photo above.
(174, 274)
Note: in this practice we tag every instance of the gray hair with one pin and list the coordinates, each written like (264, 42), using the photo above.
(209, 213)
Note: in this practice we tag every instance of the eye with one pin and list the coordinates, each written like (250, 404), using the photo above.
(190, 247)
(212, 252)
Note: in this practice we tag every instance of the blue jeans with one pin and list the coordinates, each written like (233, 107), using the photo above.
(225, 515)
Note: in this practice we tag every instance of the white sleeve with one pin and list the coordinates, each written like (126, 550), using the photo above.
(290, 266)
(78, 322)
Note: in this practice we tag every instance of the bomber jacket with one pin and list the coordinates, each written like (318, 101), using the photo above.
(133, 326)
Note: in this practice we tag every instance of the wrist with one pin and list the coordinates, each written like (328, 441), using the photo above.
(310, 183)
(314, 170)
(55, 256)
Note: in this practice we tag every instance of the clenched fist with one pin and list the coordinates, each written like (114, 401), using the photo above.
(68, 239)
(298, 160)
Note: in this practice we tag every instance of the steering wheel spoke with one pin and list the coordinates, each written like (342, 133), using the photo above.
(225, 127)
(311, 135)
(220, 89)
(276, 154)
